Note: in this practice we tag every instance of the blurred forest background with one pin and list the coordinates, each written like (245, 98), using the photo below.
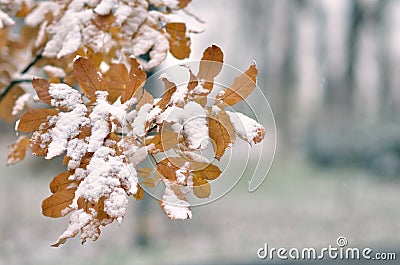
(330, 70)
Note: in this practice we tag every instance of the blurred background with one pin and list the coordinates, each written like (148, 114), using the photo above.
(330, 71)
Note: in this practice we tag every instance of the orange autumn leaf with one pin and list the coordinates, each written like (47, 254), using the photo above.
(41, 87)
(178, 42)
(56, 204)
(163, 141)
(7, 103)
(146, 98)
(221, 132)
(201, 187)
(32, 119)
(61, 182)
(89, 79)
(136, 80)
(18, 150)
(117, 77)
(169, 89)
(241, 88)
(210, 66)
(205, 170)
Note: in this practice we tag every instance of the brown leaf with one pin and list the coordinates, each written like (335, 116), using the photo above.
(8, 102)
(193, 81)
(178, 42)
(139, 194)
(167, 169)
(23, 11)
(183, 3)
(163, 141)
(201, 187)
(169, 89)
(136, 80)
(38, 147)
(221, 132)
(260, 133)
(32, 119)
(148, 182)
(41, 87)
(205, 170)
(145, 172)
(18, 150)
(210, 66)
(241, 88)
(174, 203)
(61, 182)
(54, 205)
(89, 79)
(147, 98)
(117, 77)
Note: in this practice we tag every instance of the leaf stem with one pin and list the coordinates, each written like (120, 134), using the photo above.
(24, 71)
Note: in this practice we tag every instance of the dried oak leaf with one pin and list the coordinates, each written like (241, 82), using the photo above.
(179, 44)
(221, 132)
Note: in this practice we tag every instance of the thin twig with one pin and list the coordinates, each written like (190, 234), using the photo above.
(24, 71)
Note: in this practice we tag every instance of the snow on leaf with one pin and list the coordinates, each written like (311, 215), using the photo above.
(18, 150)
(210, 66)
(241, 88)
(64, 97)
(195, 126)
(32, 119)
(20, 103)
(5, 20)
(174, 202)
(247, 128)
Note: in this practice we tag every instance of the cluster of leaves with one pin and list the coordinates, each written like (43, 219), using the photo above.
(54, 32)
(115, 124)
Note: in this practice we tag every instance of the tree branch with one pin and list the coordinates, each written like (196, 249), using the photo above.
(24, 71)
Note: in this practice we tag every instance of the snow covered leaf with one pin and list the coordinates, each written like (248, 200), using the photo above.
(222, 133)
(247, 128)
(210, 66)
(18, 150)
(62, 182)
(8, 102)
(104, 22)
(146, 98)
(136, 80)
(41, 87)
(89, 79)
(32, 119)
(56, 205)
(201, 187)
(139, 194)
(179, 43)
(5, 20)
(174, 202)
(241, 88)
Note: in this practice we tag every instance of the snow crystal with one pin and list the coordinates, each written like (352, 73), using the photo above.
(179, 96)
(99, 121)
(20, 103)
(180, 173)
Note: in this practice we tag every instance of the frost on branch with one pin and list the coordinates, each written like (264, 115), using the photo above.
(105, 132)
